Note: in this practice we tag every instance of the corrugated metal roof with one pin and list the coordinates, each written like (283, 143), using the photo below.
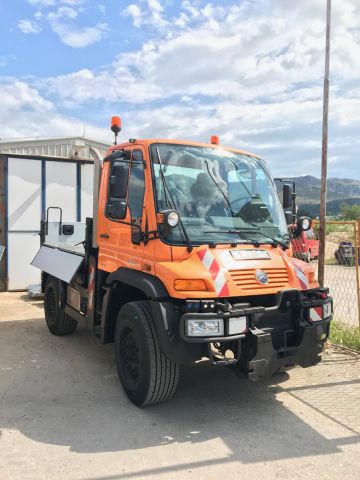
(62, 147)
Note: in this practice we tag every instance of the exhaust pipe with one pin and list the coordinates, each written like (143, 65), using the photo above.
(98, 161)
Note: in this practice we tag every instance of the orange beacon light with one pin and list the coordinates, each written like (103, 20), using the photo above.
(116, 127)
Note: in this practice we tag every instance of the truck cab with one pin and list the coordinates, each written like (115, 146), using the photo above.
(188, 256)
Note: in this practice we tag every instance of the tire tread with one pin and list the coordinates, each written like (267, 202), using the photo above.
(164, 373)
(65, 325)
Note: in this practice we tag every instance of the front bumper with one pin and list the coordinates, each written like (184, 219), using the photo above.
(268, 359)
(275, 337)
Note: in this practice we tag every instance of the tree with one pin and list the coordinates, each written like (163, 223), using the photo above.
(350, 212)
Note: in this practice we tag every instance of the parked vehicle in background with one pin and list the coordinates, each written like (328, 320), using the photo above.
(345, 254)
(187, 256)
(305, 244)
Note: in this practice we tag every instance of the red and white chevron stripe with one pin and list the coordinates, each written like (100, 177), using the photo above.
(91, 287)
(212, 265)
(301, 275)
(316, 314)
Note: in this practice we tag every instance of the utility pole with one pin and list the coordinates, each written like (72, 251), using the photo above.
(322, 229)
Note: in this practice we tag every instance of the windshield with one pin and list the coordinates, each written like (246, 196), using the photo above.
(221, 196)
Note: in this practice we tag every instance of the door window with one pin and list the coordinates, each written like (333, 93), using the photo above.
(116, 206)
(136, 193)
(137, 187)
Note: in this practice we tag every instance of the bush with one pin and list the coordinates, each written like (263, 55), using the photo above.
(345, 336)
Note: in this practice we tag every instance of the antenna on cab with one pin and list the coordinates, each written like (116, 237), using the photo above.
(116, 127)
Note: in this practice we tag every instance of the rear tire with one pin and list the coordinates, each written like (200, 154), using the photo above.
(58, 322)
(146, 374)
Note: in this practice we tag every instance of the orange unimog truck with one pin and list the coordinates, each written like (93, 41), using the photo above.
(187, 256)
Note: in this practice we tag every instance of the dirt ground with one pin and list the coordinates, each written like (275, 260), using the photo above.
(63, 415)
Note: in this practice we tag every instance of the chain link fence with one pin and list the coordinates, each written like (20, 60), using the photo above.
(342, 257)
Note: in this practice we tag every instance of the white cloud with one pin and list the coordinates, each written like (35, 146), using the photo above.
(80, 37)
(33, 116)
(146, 12)
(28, 26)
(16, 95)
(70, 34)
(53, 3)
(61, 15)
(134, 12)
(251, 72)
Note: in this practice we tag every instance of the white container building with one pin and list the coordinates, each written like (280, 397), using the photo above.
(36, 174)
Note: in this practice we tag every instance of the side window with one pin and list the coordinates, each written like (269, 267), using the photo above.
(136, 191)
(119, 177)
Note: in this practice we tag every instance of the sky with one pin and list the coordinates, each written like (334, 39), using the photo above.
(249, 71)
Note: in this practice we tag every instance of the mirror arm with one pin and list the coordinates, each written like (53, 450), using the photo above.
(123, 222)
(151, 235)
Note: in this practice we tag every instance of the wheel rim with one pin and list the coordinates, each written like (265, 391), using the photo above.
(51, 305)
(130, 358)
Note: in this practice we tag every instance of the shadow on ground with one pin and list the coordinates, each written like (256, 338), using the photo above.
(65, 391)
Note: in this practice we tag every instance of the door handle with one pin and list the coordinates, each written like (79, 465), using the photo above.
(104, 235)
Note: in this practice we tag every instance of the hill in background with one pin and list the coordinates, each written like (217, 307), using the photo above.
(340, 190)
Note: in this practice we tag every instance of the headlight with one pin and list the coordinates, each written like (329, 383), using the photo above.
(170, 218)
(304, 223)
(204, 328)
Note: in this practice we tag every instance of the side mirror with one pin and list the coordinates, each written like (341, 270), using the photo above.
(116, 209)
(287, 197)
(289, 217)
(288, 203)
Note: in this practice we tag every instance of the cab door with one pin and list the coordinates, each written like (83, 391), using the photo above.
(123, 219)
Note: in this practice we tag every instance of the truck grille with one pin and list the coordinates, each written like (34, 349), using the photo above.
(246, 278)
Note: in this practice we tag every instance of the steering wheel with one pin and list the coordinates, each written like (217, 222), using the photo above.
(254, 210)
(237, 199)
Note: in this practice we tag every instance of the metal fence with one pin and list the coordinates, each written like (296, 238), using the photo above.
(342, 257)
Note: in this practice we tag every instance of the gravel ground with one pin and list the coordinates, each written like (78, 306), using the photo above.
(343, 288)
(342, 283)
(63, 415)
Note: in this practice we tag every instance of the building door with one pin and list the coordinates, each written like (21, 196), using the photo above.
(24, 213)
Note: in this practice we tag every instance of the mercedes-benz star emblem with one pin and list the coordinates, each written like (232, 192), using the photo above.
(262, 277)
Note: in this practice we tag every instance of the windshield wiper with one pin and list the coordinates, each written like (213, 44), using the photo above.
(253, 230)
(238, 232)
(257, 230)
(245, 230)
(282, 244)
(168, 194)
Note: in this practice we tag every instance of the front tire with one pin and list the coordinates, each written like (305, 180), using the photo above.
(58, 322)
(146, 374)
